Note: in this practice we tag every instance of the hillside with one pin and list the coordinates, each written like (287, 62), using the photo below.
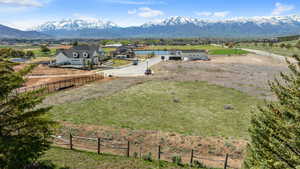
(7, 32)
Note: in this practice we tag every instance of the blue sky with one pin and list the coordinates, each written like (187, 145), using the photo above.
(24, 14)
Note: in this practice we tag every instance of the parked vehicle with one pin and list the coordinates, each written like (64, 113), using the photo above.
(148, 72)
(135, 62)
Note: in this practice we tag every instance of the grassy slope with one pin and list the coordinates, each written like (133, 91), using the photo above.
(86, 160)
(227, 52)
(194, 108)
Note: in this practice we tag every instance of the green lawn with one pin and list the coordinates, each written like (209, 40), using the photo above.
(183, 47)
(192, 108)
(86, 160)
(227, 52)
(38, 52)
(120, 62)
(109, 49)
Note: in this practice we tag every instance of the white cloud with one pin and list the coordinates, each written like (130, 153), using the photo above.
(84, 17)
(132, 12)
(220, 14)
(206, 14)
(282, 8)
(25, 3)
(146, 12)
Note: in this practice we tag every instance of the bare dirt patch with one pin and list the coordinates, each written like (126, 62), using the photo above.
(103, 88)
(209, 150)
(247, 73)
(43, 74)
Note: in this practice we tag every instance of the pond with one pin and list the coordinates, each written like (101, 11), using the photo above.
(148, 52)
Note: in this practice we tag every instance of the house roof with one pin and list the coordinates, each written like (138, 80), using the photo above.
(193, 51)
(81, 49)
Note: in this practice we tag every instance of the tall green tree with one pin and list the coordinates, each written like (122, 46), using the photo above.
(275, 128)
(24, 129)
(45, 49)
(30, 54)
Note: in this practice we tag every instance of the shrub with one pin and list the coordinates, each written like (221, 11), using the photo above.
(177, 160)
(148, 157)
(199, 164)
(135, 155)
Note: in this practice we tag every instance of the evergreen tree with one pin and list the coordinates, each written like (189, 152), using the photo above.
(29, 54)
(24, 129)
(45, 49)
(275, 128)
(75, 43)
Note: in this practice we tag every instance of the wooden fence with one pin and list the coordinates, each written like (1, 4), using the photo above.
(62, 84)
(134, 149)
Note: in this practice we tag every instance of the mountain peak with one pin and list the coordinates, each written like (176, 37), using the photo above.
(75, 24)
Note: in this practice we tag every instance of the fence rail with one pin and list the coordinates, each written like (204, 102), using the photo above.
(103, 145)
(62, 84)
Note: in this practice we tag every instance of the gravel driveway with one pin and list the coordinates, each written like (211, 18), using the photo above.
(132, 70)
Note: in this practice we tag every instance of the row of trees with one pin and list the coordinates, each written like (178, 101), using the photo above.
(158, 41)
(13, 53)
(281, 45)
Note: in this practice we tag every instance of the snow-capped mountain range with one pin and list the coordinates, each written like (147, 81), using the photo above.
(79, 24)
(175, 27)
(74, 24)
(273, 20)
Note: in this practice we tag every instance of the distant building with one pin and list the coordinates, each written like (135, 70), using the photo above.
(189, 55)
(124, 52)
(80, 56)
(117, 45)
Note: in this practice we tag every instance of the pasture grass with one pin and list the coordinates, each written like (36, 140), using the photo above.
(227, 52)
(183, 47)
(190, 108)
(63, 158)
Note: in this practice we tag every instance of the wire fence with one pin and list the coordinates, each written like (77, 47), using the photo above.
(131, 148)
(62, 84)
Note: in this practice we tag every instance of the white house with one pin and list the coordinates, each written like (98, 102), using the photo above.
(80, 56)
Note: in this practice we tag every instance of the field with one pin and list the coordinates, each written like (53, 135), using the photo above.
(86, 160)
(227, 52)
(187, 47)
(196, 107)
(38, 52)
(276, 49)
(109, 49)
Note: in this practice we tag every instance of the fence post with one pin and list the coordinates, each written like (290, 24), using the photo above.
(71, 142)
(226, 161)
(158, 154)
(140, 151)
(128, 149)
(192, 157)
(99, 145)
